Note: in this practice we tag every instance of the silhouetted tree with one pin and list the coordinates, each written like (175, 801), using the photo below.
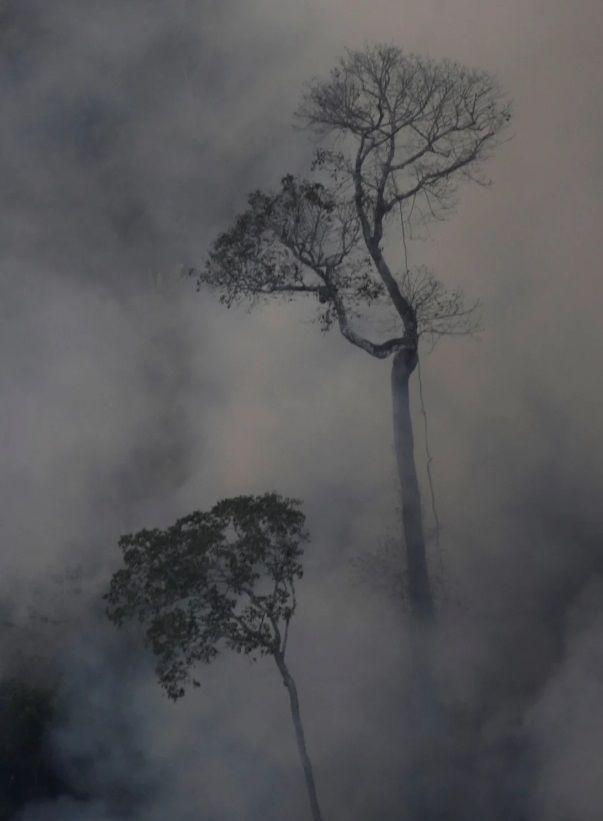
(218, 579)
(399, 133)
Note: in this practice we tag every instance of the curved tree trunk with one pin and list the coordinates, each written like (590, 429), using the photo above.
(419, 587)
(299, 735)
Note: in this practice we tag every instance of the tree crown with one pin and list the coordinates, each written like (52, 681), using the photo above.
(222, 578)
(414, 126)
(399, 133)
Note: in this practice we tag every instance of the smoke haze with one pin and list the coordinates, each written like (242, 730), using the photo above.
(131, 135)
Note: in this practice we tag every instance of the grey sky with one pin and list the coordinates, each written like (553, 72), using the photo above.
(131, 134)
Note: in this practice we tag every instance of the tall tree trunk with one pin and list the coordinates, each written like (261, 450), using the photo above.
(299, 734)
(419, 587)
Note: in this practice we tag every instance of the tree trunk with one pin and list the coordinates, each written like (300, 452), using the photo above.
(299, 735)
(419, 588)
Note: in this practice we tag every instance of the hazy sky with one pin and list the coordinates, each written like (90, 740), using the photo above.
(131, 133)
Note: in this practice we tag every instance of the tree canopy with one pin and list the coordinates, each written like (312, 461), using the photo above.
(398, 134)
(221, 578)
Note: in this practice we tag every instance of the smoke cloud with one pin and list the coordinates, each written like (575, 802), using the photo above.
(132, 133)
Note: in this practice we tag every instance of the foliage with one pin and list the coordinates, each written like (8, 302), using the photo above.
(222, 578)
(399, 133)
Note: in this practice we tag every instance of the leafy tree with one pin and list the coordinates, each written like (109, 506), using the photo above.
(222, 579)
(399, 133)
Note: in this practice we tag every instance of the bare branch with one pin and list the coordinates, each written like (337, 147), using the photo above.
(405, 131)
(380, 350)
(441, 116)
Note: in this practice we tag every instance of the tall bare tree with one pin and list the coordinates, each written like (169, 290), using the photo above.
(219, 579)
(398, 133)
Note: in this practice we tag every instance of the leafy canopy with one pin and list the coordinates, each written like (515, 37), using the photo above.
(222, 578)
(399, 132)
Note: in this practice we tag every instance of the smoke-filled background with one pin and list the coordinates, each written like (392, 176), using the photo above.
(131, 133)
